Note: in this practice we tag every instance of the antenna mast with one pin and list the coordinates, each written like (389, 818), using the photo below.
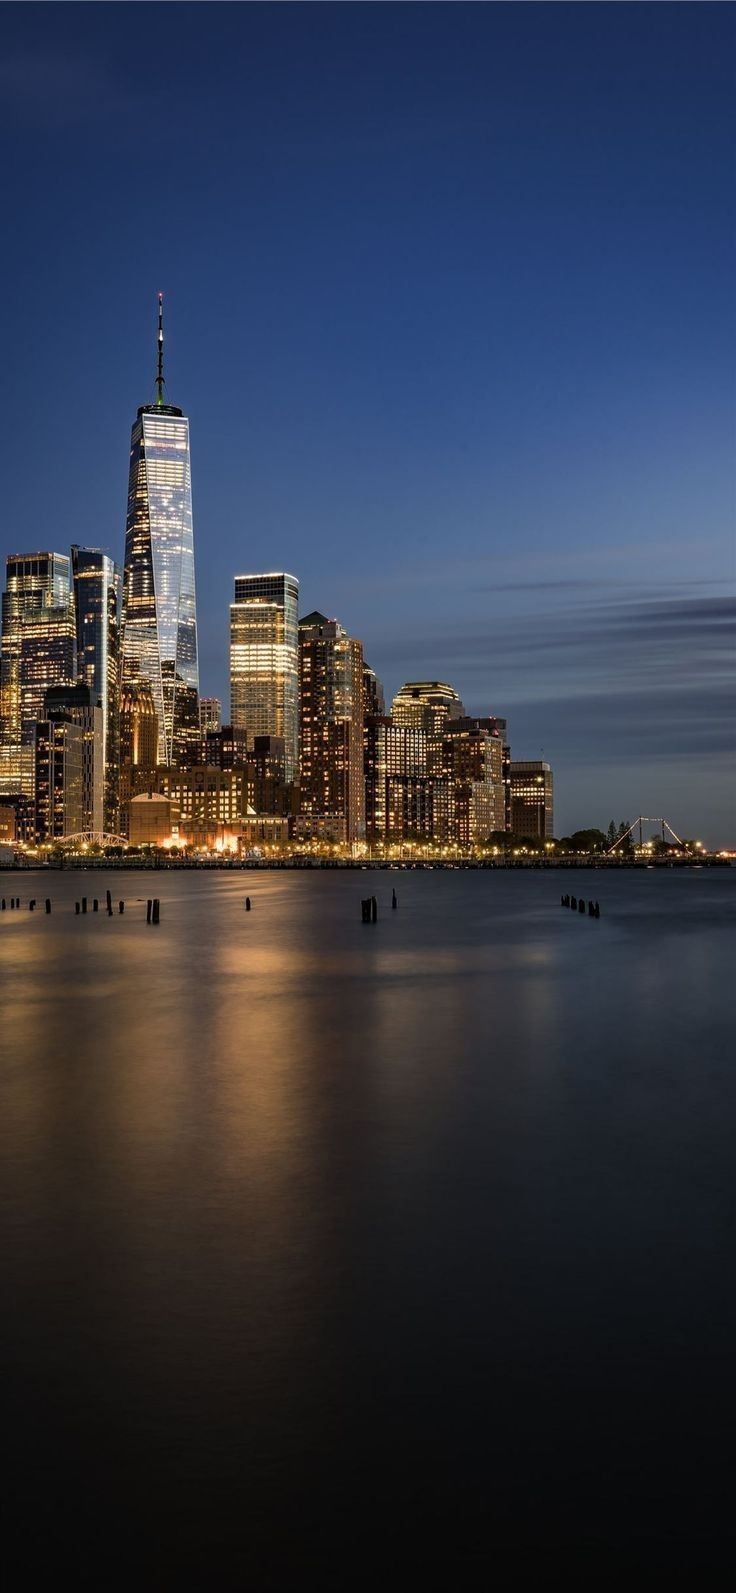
(160, 376)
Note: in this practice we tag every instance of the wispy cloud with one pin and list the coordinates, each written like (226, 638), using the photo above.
(645, 676)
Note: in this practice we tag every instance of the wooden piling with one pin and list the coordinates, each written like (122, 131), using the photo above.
(121, 907)
(247, 904)
(374, 910)
(76, 908)
(84, 904)
(156, 910)
(48, 904)
(149, 910)
(394, 902)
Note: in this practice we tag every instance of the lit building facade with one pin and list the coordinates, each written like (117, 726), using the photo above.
(159, 621)
(532, 799)
(392, 752)
(153, 820)
(427, 704)
(204, 796)
(264, 661)
(96, 580)
(331, 790)
(37, 649)
(473, 762)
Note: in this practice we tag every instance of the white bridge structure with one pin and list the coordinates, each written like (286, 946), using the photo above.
(93, 838)
(641, 820)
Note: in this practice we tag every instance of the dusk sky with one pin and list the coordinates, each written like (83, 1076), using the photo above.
(449, 303)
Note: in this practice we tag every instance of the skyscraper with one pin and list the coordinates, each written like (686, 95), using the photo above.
(96, 603)
(532, 799)
(37, 650)
(59, 758)
(331, 792)
(159, 628)
(264, 661)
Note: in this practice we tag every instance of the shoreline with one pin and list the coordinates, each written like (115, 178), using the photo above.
(255, 865)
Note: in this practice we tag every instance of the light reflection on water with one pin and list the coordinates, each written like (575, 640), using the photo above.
(301, 1212)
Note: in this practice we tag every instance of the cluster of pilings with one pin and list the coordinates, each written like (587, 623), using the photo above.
(572, 902)
(153, 906)
(369, 908)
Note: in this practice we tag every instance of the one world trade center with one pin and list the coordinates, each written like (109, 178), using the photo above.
(159, 620)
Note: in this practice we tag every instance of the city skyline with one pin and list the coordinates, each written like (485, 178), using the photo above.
(518, 486)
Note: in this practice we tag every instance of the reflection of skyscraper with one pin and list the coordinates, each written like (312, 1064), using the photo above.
(264, 661)
(159, 632)
(38, 649)
(96, 594)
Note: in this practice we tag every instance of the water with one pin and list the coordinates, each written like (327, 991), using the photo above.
(335, 1254)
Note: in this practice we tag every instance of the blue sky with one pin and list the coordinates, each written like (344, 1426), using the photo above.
(449, 298)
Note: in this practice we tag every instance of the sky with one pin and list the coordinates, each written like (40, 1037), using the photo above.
(449, 303)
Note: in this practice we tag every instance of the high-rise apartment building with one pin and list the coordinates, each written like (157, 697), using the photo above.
(332, 794)
(392, 753)
(96, 607)
(37, 649)
(159, 621)
(473, 762)
(264, 661)
(532, 799)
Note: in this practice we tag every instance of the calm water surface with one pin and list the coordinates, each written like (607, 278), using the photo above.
(334, 1254)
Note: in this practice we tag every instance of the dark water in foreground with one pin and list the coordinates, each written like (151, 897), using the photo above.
(337, 1254)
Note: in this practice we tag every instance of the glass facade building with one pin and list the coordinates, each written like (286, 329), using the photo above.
(37, 650)
(264, 661)
(96, 608)
(159, 624)
(59, 800)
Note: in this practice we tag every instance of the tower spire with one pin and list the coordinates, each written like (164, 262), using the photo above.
(160, 376)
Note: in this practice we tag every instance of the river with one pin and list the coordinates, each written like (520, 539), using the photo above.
(337, 1254)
